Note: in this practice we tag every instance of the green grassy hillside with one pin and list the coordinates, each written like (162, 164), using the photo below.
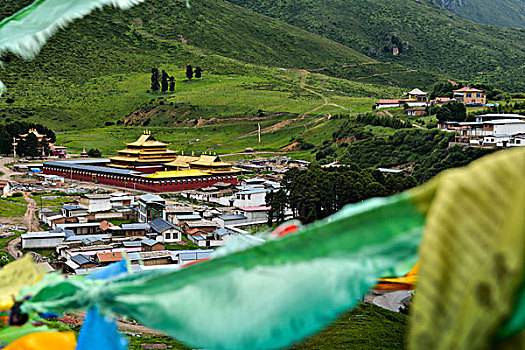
(429, 37)
(510, 13)
(98, 69)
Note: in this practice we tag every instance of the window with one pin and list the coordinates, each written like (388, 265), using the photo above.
(518, 142)
(478, 95)
(168, 235)
(469, 95)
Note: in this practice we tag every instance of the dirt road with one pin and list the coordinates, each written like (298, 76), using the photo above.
(30, 218)
(30, 221)
(5, 170)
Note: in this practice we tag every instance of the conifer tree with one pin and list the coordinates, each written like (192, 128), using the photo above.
(32, 146)
(164, 81)
(189, 72)
(198, 72)
(155, 85)
(172, 84)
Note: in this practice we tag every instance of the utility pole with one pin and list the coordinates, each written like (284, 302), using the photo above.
(259, 132)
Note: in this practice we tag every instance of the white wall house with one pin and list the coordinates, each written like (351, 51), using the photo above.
(44, 239)
(96, 202)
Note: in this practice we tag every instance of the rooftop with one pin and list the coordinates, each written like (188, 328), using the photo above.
(81, 259)
(188, 255)
(468, 89)
(160, 225)
(417, 92)
(109, 257)
(226, 217)
(135, 226)
(201, 223)
(188, 217)
(97, 169)
(149, 255)
(43, 235)
(176, 174)
(259, 208)
(149, 198)
(149, 242)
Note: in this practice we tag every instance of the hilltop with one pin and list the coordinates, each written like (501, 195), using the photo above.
(509, 13)
(426, 36)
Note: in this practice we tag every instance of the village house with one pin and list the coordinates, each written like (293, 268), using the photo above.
(188, 256)
(414, 98)
(78, 240)
(95, 203)
(180, 220)
(86, 228)
(150, 245)
(470, 96)
(166, 231)
(152, 258)
(415, 111)
(231, 220)
(254, 214)
(42, 240)
(204, 225)
(69, 211)
(129, 230)
(170, 211)
(150, 207)
(440, 100)
(58, 151)
(105, 259)
(79, 261)
(119, 200)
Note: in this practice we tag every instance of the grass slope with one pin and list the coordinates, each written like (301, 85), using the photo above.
(428, 36)
(98, 70)
(509, 13)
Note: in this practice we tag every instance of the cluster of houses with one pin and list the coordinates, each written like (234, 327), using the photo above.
(247, 199)
(417, 100)
(152, 229)
(489, 130)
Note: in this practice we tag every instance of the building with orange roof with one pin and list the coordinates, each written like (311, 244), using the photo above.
(470, 96)
(108, 258)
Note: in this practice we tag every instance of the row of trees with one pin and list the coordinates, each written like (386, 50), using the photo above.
(317, 192)
(30, 146)
(162, 81)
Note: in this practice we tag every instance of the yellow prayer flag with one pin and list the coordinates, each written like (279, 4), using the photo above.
(16, 275)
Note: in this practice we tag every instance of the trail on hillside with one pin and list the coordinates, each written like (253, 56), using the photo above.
(302, 84)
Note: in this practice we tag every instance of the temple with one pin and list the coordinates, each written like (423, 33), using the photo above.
(144, 155)
(42, 140)
(148, 165)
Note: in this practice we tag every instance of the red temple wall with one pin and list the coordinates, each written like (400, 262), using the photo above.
(140, 184)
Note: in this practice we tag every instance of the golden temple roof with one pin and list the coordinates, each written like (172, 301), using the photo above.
(182, 161)
(177, 173)
(147, 140)
(210, 161)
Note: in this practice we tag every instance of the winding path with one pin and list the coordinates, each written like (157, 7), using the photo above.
(7, 173)
(31, 222)
(284, 123)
